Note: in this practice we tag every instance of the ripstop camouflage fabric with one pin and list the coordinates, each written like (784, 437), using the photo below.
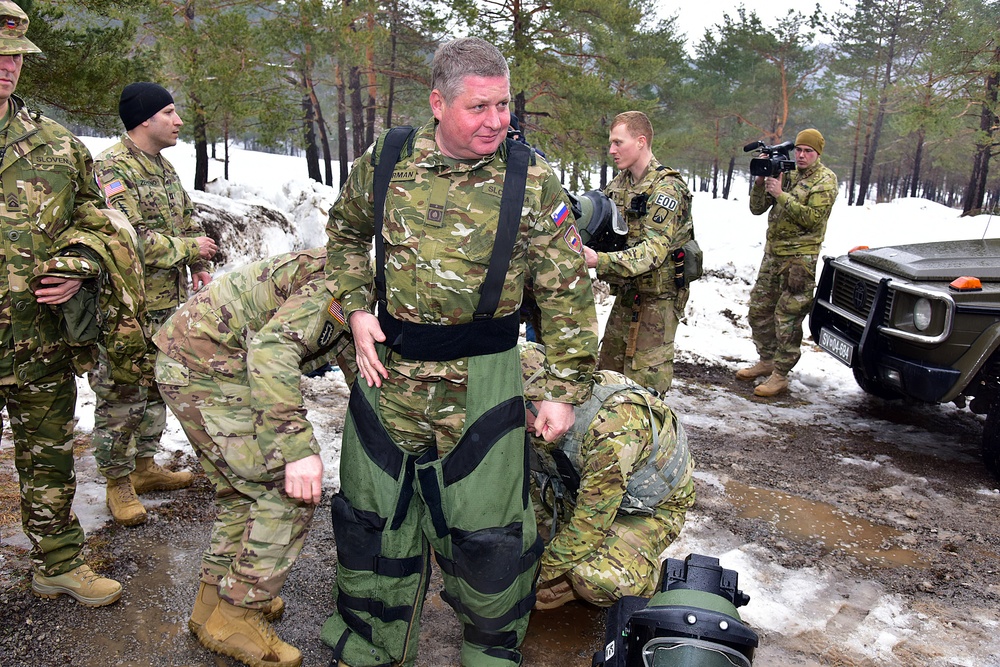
(645, 271)
(606, 554)
(439, 236)
(782, 294)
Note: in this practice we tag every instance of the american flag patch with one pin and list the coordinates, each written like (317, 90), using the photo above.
(113, 188)
(336, 311)
(560, 214)
(573, 239)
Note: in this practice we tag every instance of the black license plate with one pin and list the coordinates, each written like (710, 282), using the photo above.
(836, 345)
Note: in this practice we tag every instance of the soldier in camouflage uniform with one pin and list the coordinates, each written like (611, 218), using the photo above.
(229, 367)
(47, 177)
(616, 498)
(800, 203)
(649, 300)
(138, 181)
(434, 454)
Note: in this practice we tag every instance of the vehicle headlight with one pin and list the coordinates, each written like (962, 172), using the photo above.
(922, 314)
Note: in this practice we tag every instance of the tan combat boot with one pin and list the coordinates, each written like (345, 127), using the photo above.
(123, 503)
(208, 600)
(151, 476)
(774, 385)
(555, 596)
(83, 584)
(243, 634)
(762, 367)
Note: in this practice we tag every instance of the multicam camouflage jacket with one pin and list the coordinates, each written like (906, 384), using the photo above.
(658, 211)
(439, 235)
(262, 326)
(612, 447)
(149, 192)
(48, 188)
(796, 224)
(108, 258)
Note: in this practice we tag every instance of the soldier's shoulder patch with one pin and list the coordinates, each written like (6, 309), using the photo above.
(666, 201)
(327, 334)
(560, 214)
(336, 311)
(114, 187)
(573, 240)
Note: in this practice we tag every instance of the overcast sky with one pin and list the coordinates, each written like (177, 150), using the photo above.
(695, 17)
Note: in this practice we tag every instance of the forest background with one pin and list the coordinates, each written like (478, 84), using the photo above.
(906, 91)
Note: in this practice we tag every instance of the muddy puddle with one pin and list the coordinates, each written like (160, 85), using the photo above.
(803, 520)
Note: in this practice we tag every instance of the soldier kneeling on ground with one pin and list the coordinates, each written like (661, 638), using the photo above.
(615, 490)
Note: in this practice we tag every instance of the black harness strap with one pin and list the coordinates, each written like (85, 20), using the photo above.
(480, 437)
(487, 624)
(392, 147)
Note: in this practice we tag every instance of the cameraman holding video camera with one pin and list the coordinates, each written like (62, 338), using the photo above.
(800, 202)
(646, 277)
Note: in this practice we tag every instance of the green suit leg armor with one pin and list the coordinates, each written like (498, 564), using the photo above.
(470, 507)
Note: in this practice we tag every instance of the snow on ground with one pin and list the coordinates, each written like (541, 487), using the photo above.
(783, 600)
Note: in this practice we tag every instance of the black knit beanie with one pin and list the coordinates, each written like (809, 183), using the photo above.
(141, 101)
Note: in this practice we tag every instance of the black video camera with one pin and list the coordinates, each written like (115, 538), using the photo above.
(775, 160)
(691, 622)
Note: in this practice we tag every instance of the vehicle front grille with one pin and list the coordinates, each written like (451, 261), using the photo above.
(855, 295)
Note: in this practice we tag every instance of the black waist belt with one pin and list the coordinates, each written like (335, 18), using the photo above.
(436, 342)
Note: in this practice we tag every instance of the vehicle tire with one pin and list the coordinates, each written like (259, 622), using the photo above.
(874, 388)
(991, 438)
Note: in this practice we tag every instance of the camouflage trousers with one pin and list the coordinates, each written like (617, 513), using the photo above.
(652, 365)
(434, 467)
(128, 419)
(41, 419)
(628, 561)
(779, 302)
(258, 531)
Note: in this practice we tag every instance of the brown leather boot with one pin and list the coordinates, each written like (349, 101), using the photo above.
(208, 600)
(151, 476)
(123, 503)
(83, 584)
(762, 367)
(243, 634)
(774, 385)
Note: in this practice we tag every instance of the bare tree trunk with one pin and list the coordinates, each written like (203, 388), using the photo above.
(975, 191)
(357, 112)
(728, 183)
(390, 94)
(341, 123)
(372, 86)
(309, 138)
(918, 157)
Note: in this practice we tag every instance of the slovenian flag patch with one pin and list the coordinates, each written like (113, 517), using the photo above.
(560, 214)
(573, 239)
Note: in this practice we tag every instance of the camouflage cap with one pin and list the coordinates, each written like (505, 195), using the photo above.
(533, 370)
(13, 26)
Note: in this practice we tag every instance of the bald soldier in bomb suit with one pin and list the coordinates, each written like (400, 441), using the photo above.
(434, 453)
(639, 335)
(619, 484)
(230, 364)
(48, 190)
(798, 205)
(138, 181)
